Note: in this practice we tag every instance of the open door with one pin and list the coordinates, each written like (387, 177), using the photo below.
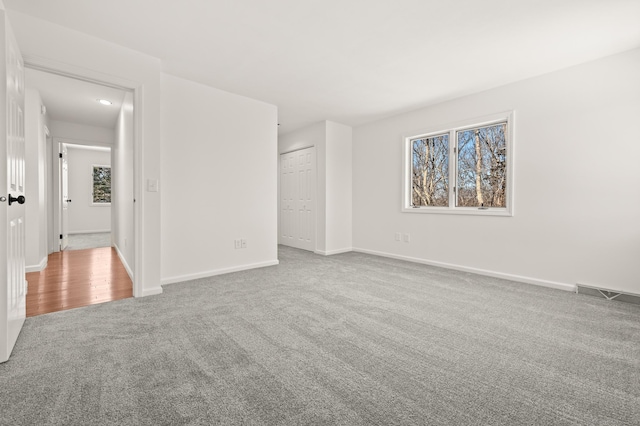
(13, 286)
(64, 197)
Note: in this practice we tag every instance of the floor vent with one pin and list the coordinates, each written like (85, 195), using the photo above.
(608, 294)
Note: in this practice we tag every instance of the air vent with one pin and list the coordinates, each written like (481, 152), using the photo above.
(608, 294)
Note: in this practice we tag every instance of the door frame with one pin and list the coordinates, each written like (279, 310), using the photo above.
(56, 206)
(84, 74)
(315, 179)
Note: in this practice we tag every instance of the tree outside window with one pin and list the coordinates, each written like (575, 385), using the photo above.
(465, 169)
(101, 185)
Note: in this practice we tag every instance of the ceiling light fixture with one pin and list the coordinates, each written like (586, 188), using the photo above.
(104, 102)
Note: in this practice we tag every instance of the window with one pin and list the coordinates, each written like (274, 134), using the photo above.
(101, 189)
(463, 169)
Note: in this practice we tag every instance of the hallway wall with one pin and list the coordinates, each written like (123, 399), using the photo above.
(85, 216)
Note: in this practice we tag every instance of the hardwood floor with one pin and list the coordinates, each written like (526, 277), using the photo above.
(77, 278)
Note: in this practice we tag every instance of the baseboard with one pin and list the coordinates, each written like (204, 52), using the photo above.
(332, 252)
(99, 231)
(39, 267)
(189, 277)
(151, 291)
(494, 274)
(124, 262)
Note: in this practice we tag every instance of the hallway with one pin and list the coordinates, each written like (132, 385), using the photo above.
(77, 278)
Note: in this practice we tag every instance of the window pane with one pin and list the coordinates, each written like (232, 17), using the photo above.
(101, 184)
(482, 166)
(430, 171)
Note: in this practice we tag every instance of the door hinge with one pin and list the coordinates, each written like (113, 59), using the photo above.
(60, 236)
(60, 155)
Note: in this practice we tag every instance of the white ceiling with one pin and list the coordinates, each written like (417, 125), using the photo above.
(76, 101)
(354, 61)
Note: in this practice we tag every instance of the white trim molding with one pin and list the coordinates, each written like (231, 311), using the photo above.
(39, 267)
(189, 277)
(332, 252)
(124, 261)
(150, 292)
(494, 274)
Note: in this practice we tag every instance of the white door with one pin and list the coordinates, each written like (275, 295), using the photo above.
(297, 199)
(287, 202)
(64, 197)
(13, 286)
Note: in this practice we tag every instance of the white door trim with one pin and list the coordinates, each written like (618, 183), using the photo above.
(67, 70)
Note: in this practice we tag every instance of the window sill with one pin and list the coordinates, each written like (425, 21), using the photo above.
(469, 211)
(100, 205)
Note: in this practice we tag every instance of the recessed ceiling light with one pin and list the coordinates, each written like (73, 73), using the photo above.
(104, 102)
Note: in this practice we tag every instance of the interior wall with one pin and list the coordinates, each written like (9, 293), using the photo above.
(60, 48)
(82, 133)
(339, 195)
(219, 174)
(314, 135)
(333, 143)
(36, 249)
(84, 216)
(122, 205)
(576, 177)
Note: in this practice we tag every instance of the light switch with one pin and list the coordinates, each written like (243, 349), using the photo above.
(152, 185)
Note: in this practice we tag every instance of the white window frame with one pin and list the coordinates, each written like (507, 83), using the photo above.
(93, 203)
(451, 129)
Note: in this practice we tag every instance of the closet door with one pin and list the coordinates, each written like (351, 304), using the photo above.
(298, 199)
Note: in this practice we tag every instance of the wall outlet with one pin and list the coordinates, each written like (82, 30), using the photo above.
(243, 243)
(407, 238)
(398, 236)
(237, 244)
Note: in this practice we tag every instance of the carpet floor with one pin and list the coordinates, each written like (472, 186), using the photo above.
(87, 241)
(350, 339)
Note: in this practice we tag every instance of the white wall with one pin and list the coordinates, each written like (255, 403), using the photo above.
(219, 174)
(81, 133)
(314, 135)
(332, 142)
(62, 49)
(338, 188)
(577, 208)
(122, 218)
(84, 216)
(36, 249)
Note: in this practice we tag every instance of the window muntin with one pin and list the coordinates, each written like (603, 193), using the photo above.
(101, 187)
(478, 155)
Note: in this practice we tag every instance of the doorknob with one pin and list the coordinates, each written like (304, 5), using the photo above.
(20, 199)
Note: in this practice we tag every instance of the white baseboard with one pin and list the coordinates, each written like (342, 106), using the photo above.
(189, 277)
(124, 262)
(151, 291)
(519, 278)
(97, 231)
(39, 267)
(331, 252)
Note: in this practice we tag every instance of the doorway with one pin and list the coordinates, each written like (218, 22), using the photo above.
(298, 199)
(94, 124)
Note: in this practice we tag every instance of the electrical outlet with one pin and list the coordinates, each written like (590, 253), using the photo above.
(243, 243)
(407, 238)
(237, 244)
(398, 236)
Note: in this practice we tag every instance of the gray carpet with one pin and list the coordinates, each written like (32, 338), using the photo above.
(87, 241)
(350, 339)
